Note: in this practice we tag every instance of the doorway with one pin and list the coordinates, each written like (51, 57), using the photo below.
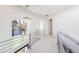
(50, 26)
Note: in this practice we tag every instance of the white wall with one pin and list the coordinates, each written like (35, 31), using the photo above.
(68, 22)
(9, 13)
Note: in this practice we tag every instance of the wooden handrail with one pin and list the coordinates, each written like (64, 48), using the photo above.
(21, 48)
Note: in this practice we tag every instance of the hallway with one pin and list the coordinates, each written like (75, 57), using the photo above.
(44, 45)
(29, 24)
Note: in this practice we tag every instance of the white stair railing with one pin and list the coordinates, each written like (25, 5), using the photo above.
(67, 42)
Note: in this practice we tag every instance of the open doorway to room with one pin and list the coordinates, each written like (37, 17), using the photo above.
(50, 26)
(18, 27)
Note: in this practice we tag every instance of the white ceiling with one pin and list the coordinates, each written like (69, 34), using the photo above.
(47, 9)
